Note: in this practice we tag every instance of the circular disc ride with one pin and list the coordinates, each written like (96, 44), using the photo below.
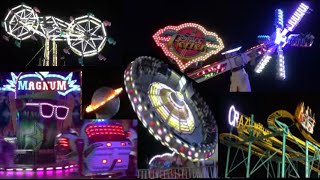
(171, 110)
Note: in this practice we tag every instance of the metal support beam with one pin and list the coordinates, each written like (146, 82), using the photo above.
(249, 149)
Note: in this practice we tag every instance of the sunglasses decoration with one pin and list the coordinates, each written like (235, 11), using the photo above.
(47, 110)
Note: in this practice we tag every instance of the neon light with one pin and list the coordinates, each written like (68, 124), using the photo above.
(160, 156)
(166, 109)
(231, 50)
(233, 120)
(259, 68)
(93, 107)
(63, 85)
(281, 39)
(297, 16)
(22, 22)
(203, 45)
(54, 109)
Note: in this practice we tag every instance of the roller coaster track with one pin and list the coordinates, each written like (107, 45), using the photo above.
(266, 139)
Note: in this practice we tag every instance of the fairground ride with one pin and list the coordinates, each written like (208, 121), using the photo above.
(273, 145)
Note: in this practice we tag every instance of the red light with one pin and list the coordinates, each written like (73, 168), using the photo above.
(123, 144)
(129, 134)
(119, 161)
(104, 161)
(109, 144)
(218, 66)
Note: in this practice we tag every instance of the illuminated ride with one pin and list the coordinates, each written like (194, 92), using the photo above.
(235, 61)
(279, 39)
(171, 110)
(86, 35)
(38, 109)
(106, 148)
(273, 145)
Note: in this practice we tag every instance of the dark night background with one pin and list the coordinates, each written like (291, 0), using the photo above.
(237, 22)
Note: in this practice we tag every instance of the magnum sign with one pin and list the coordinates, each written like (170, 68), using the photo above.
(41, 81)
(188, 43)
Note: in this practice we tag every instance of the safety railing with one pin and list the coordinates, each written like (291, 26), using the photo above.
(179, 173)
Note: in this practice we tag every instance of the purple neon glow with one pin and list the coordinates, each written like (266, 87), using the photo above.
(297, 16)
(281, 39)
(53, 109)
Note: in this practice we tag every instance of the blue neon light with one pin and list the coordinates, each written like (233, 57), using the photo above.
(13, 82)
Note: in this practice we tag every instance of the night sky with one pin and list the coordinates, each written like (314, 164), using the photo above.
(133, 24)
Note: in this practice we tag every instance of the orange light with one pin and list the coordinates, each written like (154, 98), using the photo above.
(104, 161)
(93, 107)
(119, 161)
(109, 144)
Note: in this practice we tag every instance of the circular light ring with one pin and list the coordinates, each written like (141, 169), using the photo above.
(161, 99)
(93, 107)
(87, 36)
(196, 146)
(21, 21)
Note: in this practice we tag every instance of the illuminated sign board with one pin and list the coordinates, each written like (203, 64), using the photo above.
(188, 43)
(41, 81)
(233, 116)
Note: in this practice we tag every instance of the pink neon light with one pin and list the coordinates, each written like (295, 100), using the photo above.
(54, 110)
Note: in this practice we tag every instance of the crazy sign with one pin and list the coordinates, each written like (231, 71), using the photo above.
(188, 43)
(233, 116)
(41, 81)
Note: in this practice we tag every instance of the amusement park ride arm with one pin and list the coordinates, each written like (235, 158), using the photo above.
(278, 40)
(235, 63)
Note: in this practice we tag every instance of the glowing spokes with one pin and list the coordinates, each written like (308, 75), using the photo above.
(176, 114)
(20, 22)
(92, 38)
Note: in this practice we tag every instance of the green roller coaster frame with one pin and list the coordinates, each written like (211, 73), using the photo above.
(287, 166)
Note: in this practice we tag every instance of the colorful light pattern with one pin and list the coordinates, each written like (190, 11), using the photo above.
(219, 67)
(177, 115)
(166, 36)
(93, 107)
(50, 108)
(281, 39)
(148, 76)
(21, 81)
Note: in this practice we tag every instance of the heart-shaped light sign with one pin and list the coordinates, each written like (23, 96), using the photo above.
(188, 43)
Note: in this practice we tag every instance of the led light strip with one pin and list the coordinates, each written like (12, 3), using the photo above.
(67, 167)
(93, 107)
(162, 42)
(54, 109)
(152, 123)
